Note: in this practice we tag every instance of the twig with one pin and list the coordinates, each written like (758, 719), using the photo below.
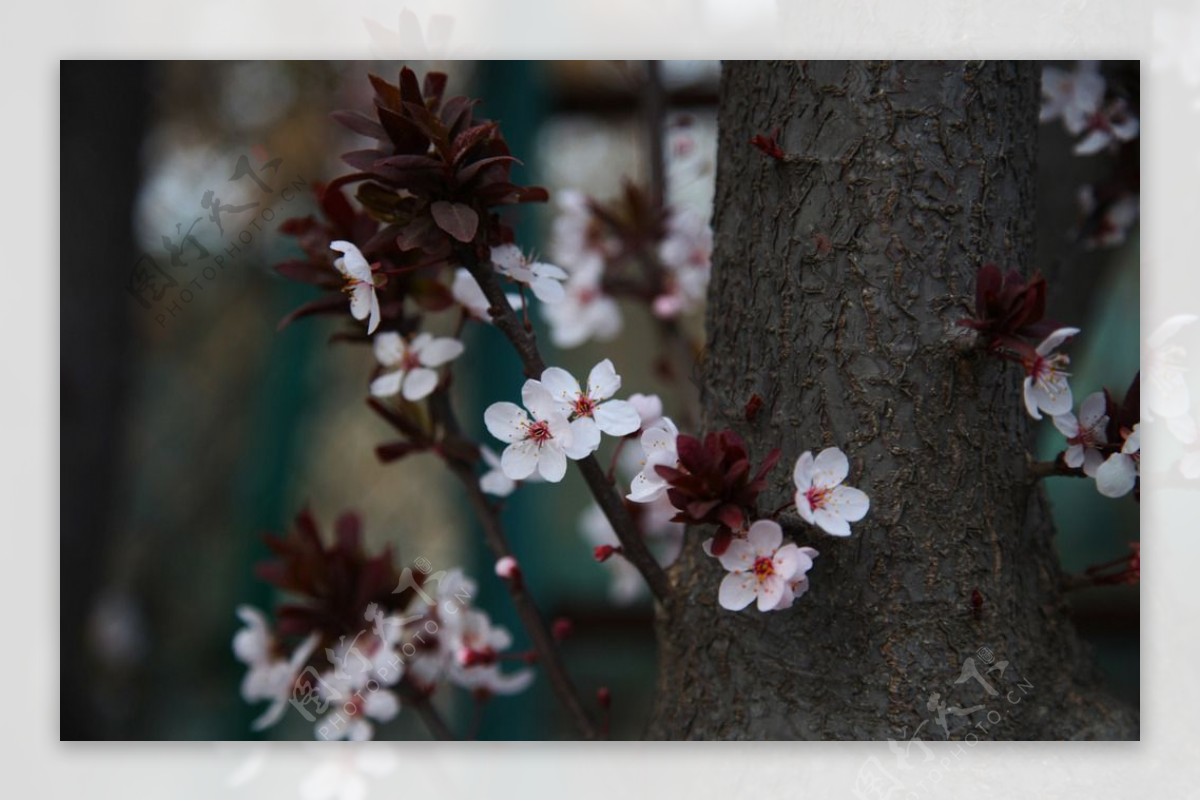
(527, 610)
(525, 344)
(1054, 467)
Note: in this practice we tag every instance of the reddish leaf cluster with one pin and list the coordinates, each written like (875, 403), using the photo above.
(628, 231)
(427, 186)
(713, 483)
(334, 584)
(1008, 308)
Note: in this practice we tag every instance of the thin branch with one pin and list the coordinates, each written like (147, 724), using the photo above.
(603, 490)
(531, 617)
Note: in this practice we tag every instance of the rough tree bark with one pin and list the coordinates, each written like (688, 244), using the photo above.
(837, 274)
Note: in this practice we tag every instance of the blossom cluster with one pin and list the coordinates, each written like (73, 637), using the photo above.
(709, 481)
(1101, 120)
(1080, 98)
(1102, 439)
(358, 635)
(626, 248)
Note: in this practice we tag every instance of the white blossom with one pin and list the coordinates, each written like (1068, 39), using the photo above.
(539, 443)
(410, 365)
(1085, 433)
(269, 677)
(592, 410)
(760, 568)
(1107, 128)
(545, 280)
(658, 448)
(821, 499)
(686, 256)
(360, 284)
(1046, 386)
(1120, 471)
(585, 313)
(1072, 96)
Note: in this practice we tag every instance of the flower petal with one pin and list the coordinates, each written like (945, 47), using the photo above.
(618, 418)
(787, 561)
(381, 705)
(764, 536)
(831, 522)
(548, 290)
(603, 381)
(360, 301)
(1031, 405)
(552, 463)
(739, 556)
(375, 314)
(494, 482)
(352, 264)
(388, 384)
(507, 258)
(519, 460)
(389, 348)
(438, 351)
(830, 468)
(1116, 476)
(803, 506)
(585, 438)
(538, 400)
(1056, 338)
(562, 386)
(1092, 409)
(849, 503)
(736, 591)
(1066, 424)
(419, 383)
(770, 593)
(803, 472)
(506, 421)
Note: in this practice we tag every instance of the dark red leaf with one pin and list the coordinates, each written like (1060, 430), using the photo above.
(457, 219)
(360, 124)
(472, 170)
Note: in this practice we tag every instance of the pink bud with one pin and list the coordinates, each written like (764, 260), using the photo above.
(507, 568)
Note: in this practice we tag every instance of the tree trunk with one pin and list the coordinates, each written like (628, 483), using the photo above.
(837, 275)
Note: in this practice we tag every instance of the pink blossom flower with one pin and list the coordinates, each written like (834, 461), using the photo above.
(798, 585)
(820, 497)
(411, 364)
(1085, 433)
(269, 677)
(592, 410)
(541, 442)
(1072, 96)
(506, 567)
(686, 256)
(658, 447)
(1046, 386)
(545, 280)
(585, 313)
(760, 568)
(1107, 128)
(360, 284)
